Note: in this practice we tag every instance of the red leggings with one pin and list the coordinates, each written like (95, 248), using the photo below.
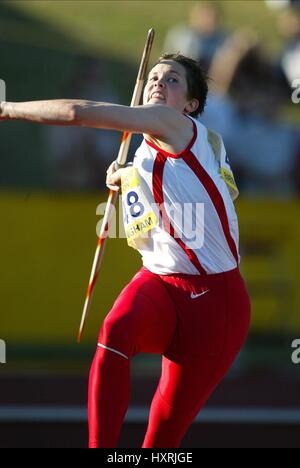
(197, 323)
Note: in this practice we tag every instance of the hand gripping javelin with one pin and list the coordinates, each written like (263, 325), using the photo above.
(113, 196)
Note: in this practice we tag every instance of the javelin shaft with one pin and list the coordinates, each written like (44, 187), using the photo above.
(113, 196)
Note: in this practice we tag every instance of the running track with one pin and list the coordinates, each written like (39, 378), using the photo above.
(249, 411)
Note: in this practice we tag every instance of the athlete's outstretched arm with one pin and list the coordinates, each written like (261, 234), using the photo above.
(55, 112)
(157, 120)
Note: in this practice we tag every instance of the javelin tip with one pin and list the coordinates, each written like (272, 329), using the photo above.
(151, 34)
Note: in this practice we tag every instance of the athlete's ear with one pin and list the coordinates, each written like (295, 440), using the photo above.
(191, 106)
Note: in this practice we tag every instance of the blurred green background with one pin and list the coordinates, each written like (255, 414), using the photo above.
(48, 236)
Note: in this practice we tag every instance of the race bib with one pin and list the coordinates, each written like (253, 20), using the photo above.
(139, 217)
(226, 173)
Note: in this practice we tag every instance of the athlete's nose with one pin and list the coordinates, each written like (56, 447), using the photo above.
(159, 83)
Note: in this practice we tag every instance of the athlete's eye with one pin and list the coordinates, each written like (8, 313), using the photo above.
(171, 79)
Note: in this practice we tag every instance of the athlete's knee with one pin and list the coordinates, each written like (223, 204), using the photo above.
(115, 337)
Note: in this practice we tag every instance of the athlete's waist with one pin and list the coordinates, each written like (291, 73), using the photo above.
(185, 281)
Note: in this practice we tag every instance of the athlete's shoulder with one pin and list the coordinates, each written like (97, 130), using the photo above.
(206, 132)
(198, 123)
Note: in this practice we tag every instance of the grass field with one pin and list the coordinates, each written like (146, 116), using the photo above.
(119, 27)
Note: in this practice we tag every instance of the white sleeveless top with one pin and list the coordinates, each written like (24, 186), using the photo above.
(178, 208)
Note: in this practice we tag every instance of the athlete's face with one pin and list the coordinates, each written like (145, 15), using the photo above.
(167, 85)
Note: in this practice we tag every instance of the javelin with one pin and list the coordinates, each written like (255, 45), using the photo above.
(112, 199)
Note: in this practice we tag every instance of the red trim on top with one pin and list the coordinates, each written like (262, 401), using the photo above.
(157, 184)
(215, 196)
(182, 153)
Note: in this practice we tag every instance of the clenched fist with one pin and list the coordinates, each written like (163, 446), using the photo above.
(113, 177)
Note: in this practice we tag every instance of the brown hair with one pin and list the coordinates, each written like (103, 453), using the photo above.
(197, 80)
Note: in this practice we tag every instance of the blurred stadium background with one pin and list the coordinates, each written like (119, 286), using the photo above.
(51, 181)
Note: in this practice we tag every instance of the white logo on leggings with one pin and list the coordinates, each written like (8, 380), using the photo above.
(194, 296)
